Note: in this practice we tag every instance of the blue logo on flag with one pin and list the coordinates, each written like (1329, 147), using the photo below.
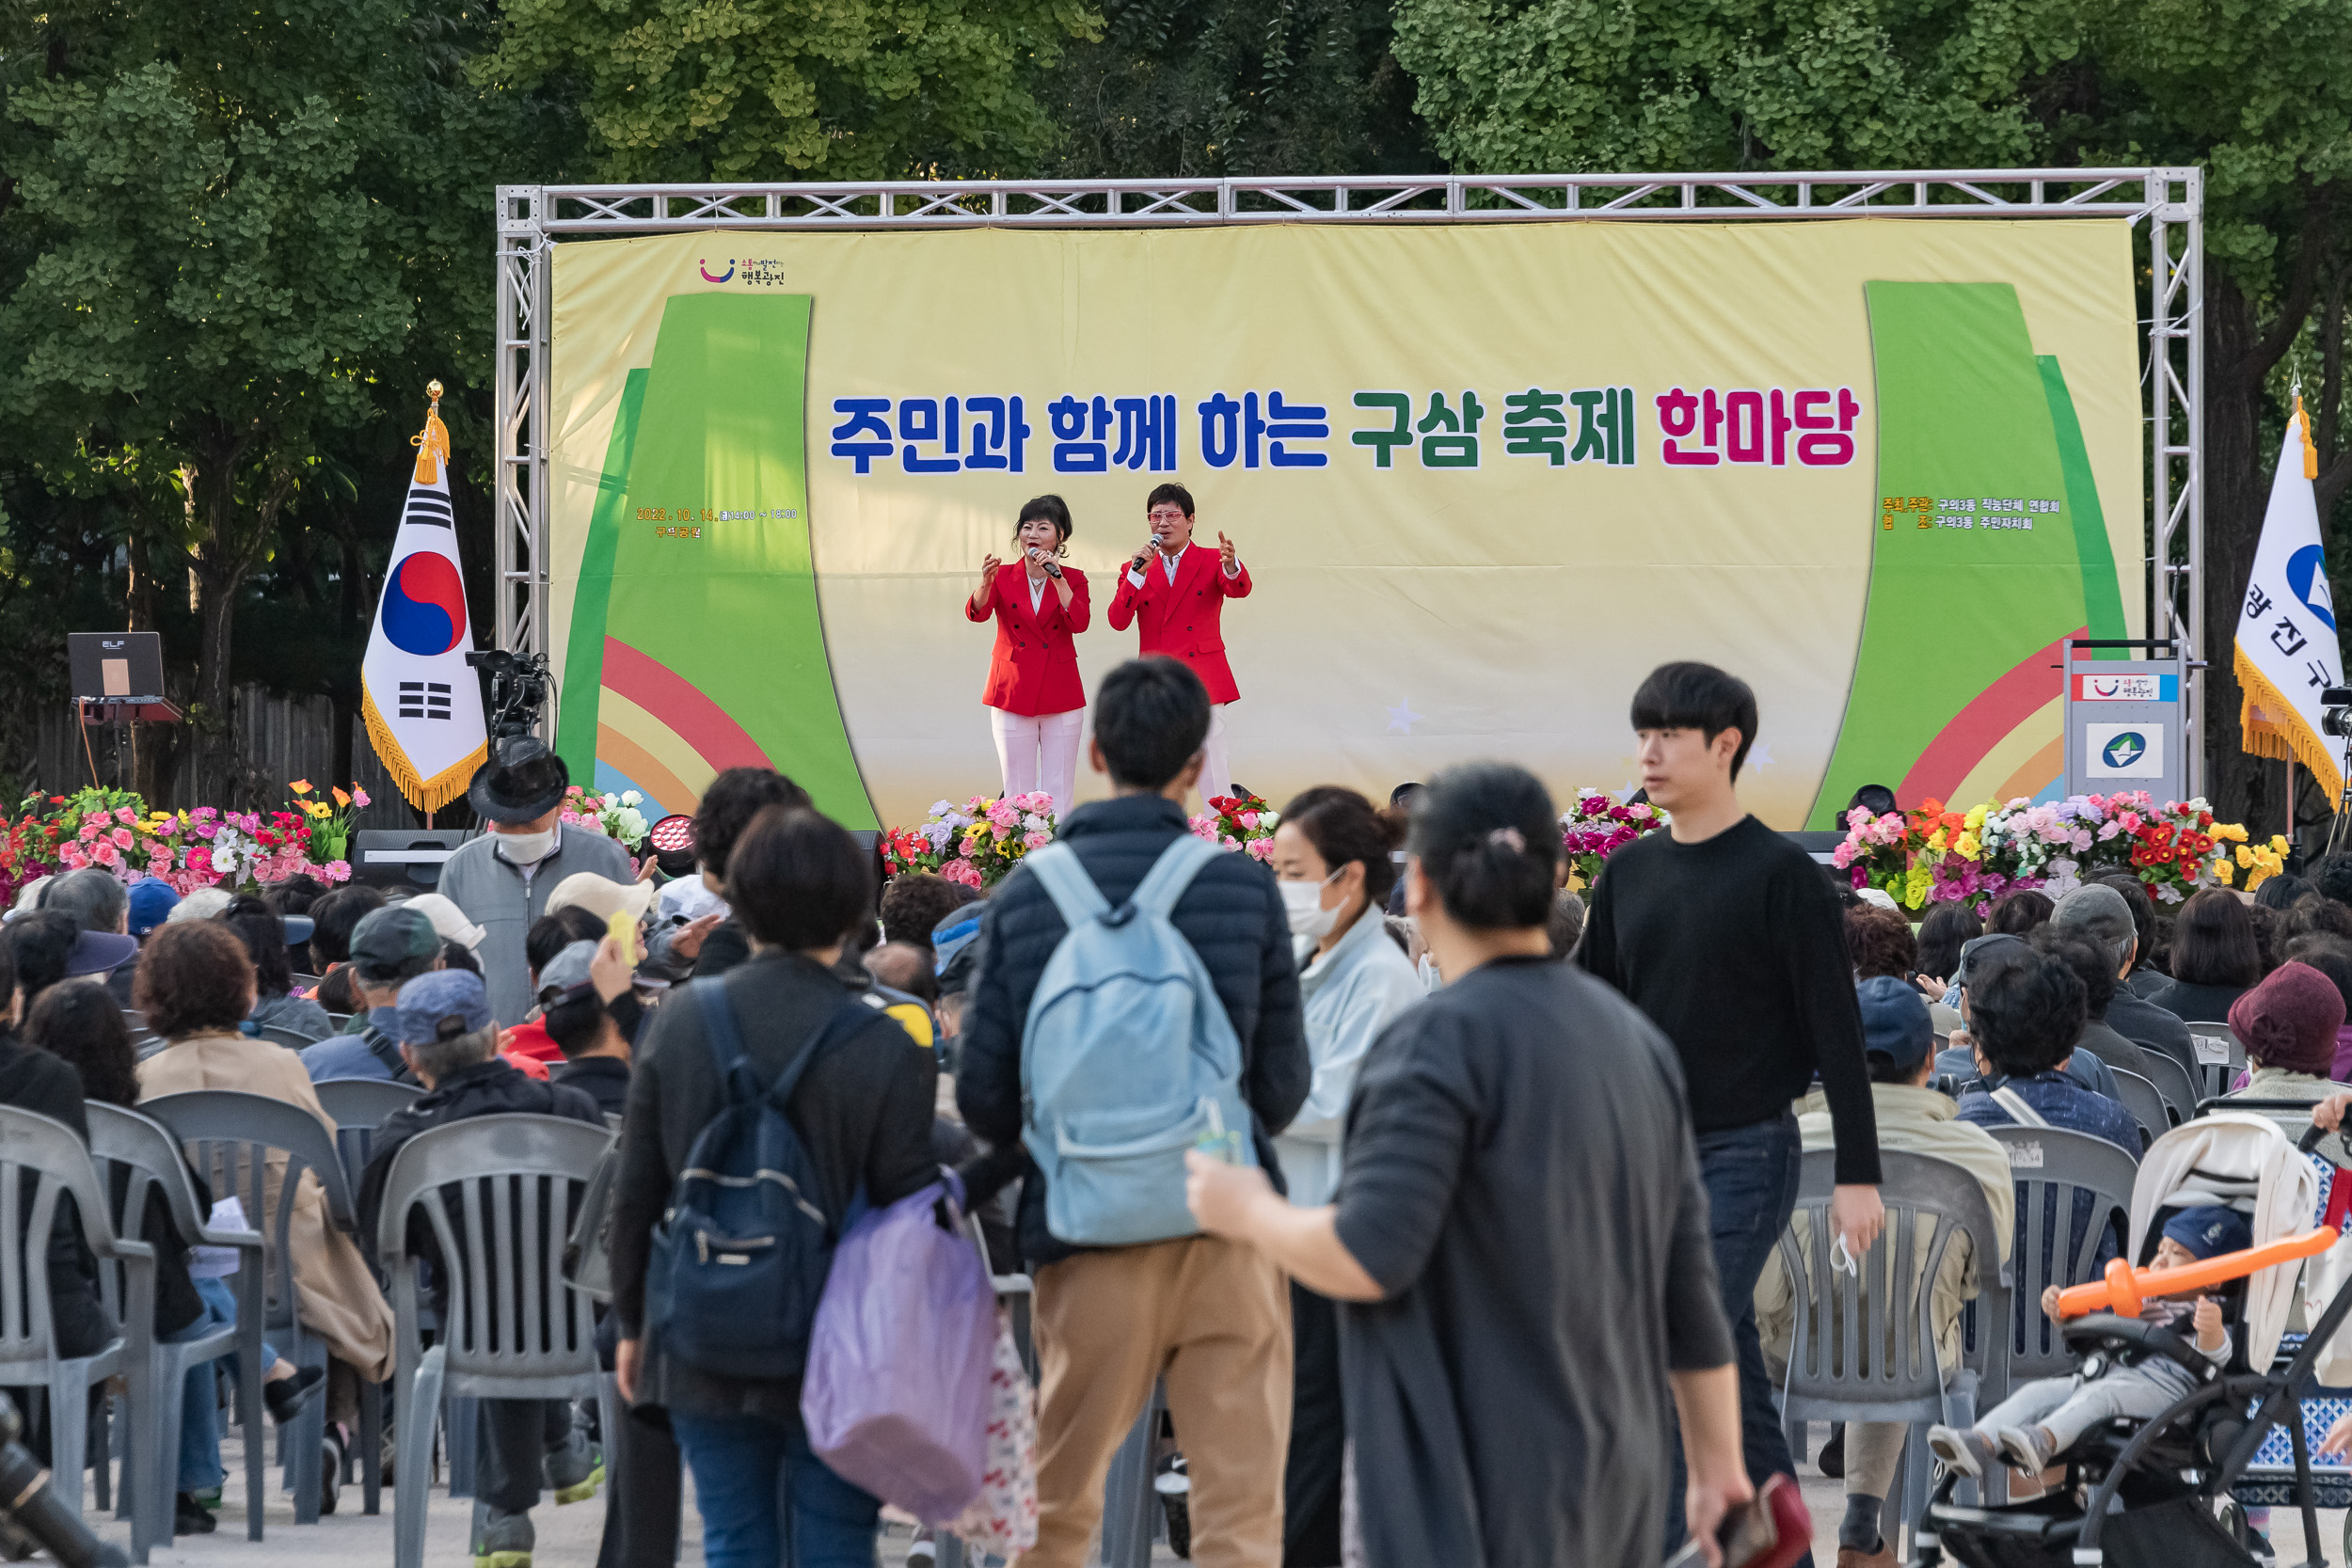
(2125, 750)
(2307, 578)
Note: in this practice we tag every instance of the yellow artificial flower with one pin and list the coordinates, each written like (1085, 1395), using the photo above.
(320, 808)
(1935, 840)
(2245, 856)
(1975, 819)
(2234, 832)
(2224, 873)
(1915, 885)
(1966, 845)
(2278, 844)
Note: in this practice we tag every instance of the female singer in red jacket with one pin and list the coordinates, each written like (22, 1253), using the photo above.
(1035, 701)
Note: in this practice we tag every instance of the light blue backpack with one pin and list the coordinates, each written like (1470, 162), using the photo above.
(1127, 1059)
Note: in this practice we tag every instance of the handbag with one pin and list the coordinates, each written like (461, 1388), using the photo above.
(1002, 1520)
(588, 1252)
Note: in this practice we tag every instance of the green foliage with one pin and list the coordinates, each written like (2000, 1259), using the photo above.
(1728, 85)
(1208, 88)
(838, 89)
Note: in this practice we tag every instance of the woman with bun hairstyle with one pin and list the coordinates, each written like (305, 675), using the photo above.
(1036, 703)
(1520, 1235)
(1332, 862)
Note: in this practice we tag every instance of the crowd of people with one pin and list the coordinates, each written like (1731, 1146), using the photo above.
(1517, 1159)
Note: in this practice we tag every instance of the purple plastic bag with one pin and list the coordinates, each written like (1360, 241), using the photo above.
(896, 1396)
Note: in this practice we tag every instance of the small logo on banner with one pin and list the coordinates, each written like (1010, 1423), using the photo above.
(2124, 688)
(703, 266)
(2307, 578)
(2124, 750)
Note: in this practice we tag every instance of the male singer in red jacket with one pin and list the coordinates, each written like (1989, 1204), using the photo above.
(1177, 590)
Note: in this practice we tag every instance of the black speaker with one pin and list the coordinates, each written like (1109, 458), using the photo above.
(409, 857)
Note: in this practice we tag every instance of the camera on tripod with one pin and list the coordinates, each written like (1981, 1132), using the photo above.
(2335, 716)
(518, 690)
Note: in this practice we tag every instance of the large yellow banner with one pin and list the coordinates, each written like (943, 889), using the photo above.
(1485, 477)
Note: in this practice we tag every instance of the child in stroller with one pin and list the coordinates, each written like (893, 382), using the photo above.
(2043, 1418)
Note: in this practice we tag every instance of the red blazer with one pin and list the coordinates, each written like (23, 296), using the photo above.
(1184, 620)
(1035, 667)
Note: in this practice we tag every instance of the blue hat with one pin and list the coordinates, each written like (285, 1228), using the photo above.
(955, 948)
(2208, 1233)
(152, 901)
(1895, 1021)
(436, 1006)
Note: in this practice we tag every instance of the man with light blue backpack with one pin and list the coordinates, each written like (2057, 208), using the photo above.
(1138, 999)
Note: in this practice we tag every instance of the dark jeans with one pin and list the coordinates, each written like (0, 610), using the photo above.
(1310, 1478)
(737, 1462)
(516, 1437)
(1751, 1174)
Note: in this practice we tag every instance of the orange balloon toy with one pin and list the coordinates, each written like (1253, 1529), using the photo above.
(2124, 1287)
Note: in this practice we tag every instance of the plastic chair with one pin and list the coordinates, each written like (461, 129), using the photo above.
(2171, 1081)
(231, 1137)
(144, 1150)
(54, 1160)
(359, 1107)
(513, 1329)
(2146, 1103)
(2220, 1056)
(2047, 1161)
(278, 1034)
(1827, 1378)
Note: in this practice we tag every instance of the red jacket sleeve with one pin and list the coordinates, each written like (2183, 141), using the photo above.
(1123, 603)
(1080, 613)
(986, 608)
(1237, 586)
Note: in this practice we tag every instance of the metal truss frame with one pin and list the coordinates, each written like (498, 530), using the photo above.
(530, 218)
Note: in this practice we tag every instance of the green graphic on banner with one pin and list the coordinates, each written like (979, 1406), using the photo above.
(696, 638)
(1988, 549)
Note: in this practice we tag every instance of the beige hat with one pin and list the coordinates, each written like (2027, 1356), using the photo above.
(602, 895)
(448, 922)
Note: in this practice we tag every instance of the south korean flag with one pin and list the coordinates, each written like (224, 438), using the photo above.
(422, 702)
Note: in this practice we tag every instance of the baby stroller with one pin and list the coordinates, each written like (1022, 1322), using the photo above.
(2160, 1490)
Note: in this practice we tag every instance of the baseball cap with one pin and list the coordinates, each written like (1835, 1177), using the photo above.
(2100, 912)
(602, 895)
(1895, 1023)
(150, 902)
(1979, 954)
(568, 969)
(396, 939)
(438, 1005)
(2208, 1231)
(448, 919)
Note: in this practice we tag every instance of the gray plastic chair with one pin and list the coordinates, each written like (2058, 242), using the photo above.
(231, 1137)
(2173, 1080)
(2146, 1103)
(1827, 1378)
(2047, 1161)
(54, 1162)
(2220, 1056)
(359, 1107)
(513, 1329)
(278, 1033)
(146, 1151)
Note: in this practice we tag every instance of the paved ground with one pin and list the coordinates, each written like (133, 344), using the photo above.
(568, 1536)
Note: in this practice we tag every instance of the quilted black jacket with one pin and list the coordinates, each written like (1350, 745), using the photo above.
(1232, 915)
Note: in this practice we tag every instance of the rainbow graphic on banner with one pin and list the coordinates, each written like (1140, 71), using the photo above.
(653, 700)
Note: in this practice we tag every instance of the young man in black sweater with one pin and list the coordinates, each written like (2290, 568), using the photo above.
(1727, 937)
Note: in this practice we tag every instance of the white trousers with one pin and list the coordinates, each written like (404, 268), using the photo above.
(1217, 767)
(1040, 752)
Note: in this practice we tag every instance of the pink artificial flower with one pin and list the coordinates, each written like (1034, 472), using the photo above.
(2130, 821)
(125, 816)
(105, 853)
(1249, 819)
(967, 848)
(960, 871)
(336, 871)
(1037, 840)
(71, 855)
(999, 832)
(122, 839)
(1260, 848)
(98, 819)
(89, 832)
(359, 797)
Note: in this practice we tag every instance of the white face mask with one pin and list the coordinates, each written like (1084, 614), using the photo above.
(1430, 978)
(524, 848)
(1303, 903)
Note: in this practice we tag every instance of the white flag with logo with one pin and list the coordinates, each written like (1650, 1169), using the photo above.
(2286, 630)
(421, 701)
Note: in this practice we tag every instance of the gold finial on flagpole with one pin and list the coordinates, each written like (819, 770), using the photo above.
(432, 443)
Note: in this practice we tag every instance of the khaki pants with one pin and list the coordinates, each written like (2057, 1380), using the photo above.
(1213, 1319)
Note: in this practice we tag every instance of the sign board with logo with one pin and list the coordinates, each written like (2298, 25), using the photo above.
(2125, 724)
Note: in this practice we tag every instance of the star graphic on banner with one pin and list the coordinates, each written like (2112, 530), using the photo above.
(1401, 717)
(1626, 789)
(1760, 754)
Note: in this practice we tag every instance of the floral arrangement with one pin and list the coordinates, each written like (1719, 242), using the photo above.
(113, 831)
(616, 817)
(331, 826)
(1936, 855)
(1239, 822)
(976, 844)
(1599, 825)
